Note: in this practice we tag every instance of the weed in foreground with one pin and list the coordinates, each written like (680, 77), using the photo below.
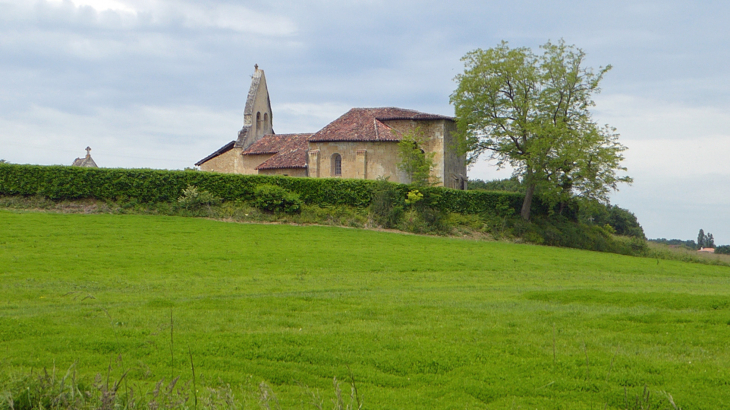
(646, 401)
(47, 391)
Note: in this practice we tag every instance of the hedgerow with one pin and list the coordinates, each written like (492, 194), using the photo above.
(154, 186)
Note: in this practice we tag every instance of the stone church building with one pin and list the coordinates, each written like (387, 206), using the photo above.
(362, 144)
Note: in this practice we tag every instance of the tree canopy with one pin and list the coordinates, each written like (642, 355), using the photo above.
(531, 112)
(705, 241)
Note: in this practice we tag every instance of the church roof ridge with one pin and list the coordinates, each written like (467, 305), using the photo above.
(274, 143)
(368, 124)
(396, 113)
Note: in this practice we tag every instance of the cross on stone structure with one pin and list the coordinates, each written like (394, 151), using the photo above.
(88, 151)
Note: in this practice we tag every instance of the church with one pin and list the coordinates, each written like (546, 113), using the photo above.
(361, 144)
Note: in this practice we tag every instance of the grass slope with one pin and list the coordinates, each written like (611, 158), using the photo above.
(422, 322)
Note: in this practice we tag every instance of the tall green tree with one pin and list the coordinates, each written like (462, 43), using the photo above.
(532, 112)
(701, 239)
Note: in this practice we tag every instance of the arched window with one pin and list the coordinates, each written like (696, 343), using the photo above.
(336, 165)
(266, 120)
(259, 128)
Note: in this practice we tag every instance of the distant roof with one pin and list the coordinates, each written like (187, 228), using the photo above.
(221, 150)
(368, 124)
(290, 150)
(87, 161)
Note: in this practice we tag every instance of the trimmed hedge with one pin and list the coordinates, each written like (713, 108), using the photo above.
(152, 186)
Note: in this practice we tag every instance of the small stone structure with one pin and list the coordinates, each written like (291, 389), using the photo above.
(362, 144)
(87, 161)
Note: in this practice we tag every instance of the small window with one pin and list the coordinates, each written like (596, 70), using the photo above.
(259, 128)
(336, 165)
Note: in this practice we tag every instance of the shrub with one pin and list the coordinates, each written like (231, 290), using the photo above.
(194, 199)
(559, 231)
(622, 221)
(274, 198)
(425, 215)
(387, 205)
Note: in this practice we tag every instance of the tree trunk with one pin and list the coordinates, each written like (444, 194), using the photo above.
(527, 203)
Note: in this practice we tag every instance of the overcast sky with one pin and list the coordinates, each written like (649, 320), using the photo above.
(162, 84)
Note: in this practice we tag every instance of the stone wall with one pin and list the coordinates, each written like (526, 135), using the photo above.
(454, 164)
(228, 162)
(250, 162)
(360, 160)
(433, 133)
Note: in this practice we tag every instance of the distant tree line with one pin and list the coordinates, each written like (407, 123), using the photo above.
(690, 244)
(703, 241)
(622, 221)
(724, 249)
(510, 185)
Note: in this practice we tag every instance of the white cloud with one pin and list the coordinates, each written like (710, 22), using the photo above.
(669, 140)
(670, 157)
(131, 14)
(99, 5)
(647, 118)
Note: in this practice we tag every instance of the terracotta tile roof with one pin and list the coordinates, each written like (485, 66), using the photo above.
(368, 124)
(270, 144)
(290, 150)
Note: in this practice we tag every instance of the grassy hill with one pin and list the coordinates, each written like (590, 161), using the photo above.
(421, 322)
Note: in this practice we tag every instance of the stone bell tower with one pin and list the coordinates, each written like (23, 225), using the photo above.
(257, 116)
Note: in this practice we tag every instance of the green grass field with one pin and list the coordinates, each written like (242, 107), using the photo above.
(422, 322)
